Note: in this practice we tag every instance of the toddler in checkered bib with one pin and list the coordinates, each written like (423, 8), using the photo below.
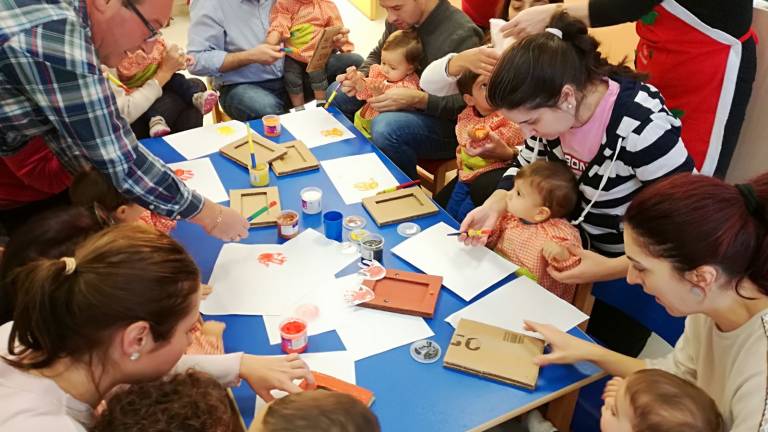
(534, 233)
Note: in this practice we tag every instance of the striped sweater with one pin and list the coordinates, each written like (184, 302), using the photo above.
(641, 144)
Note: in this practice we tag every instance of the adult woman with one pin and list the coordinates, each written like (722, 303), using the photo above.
(701, 54)
(699, 246)
(611, 129)
(119, 311)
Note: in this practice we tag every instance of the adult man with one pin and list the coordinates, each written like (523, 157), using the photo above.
(414, 124)
(51, 88)
(227, 40)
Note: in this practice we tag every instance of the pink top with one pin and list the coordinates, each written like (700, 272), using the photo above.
(580, 145)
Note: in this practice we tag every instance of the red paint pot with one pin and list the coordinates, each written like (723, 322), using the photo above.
(293, 332)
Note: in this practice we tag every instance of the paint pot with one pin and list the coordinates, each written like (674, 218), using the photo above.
(288, 224)
(425, 351)
(311, 200)
(408, 229)
(372, 247)
(293, 333)
(259, 175)
(271, 125)
(353, 222)
(332, 225)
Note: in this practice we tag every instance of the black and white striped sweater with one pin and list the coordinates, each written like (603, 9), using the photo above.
(641, 144)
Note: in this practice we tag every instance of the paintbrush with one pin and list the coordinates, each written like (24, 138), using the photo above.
(261, 211)
(473, 233)
(400, 186)
(333, 95)
(250, 144)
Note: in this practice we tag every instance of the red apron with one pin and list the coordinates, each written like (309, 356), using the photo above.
(695, 68)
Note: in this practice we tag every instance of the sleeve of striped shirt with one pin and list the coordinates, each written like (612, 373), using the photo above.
(61, 76)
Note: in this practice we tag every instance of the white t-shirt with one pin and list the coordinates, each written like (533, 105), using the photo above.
(731, 367)
(34, 403)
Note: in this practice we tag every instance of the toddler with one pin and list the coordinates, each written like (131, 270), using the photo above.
(315, 410)
(138, 68)
(652, 400)
(189, 402)
(300, 24)
(474, 126)
(400, 57)
(534, 233)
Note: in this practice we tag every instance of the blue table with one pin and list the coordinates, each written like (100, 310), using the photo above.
(410, 396)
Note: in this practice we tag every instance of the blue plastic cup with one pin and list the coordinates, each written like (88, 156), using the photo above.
(332, 225)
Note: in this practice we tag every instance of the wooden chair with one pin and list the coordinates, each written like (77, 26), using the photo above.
(433, 172)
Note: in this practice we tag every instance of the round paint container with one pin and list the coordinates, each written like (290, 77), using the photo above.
(356, 236)
(259, 175)
(408, 229)
(288, 224)
(293, 335)
(354, 222)
(425, 351)
(311, 200)
(271, 125)
(372, 247)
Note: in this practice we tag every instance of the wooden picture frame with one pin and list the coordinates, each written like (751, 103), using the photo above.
(399, 206)
(240, 152)
(405, 292)
(248, 201)
(324, 49)
(297, 158)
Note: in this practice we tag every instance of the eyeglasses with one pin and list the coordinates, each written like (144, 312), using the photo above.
(153, 32)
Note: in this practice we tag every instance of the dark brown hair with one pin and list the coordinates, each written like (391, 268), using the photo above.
(694, 220)
(124, 274)
(533, 71)
(406, 40)
(662, 402)
(319, 410)
(52, 234)
(188, 402)
(93, 190)
(466, 81)
(555, 183)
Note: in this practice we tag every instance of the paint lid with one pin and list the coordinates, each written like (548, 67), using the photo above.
(357, 235)
(354, 222)
(425, 351)
(408, 229)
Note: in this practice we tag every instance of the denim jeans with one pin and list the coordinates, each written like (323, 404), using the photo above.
(406, 137)
(248, 101)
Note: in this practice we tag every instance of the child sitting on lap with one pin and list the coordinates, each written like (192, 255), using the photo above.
(300, 24)
(315, 410)
(400, 57)
(534, 233)
(652, 400)
(476, 126)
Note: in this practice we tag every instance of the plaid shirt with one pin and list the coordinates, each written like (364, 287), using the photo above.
(51, 86)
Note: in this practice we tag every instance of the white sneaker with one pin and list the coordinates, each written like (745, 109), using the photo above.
(158, 127)
(535, 422)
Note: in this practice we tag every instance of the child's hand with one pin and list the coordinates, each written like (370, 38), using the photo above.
(173, 60)
(351, 81)
(612, 388)
(493, 148)
(341, 39)
(555, 252)
(205, 291)
(377, 88)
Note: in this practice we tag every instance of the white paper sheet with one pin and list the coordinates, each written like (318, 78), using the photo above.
(466, 270)
(200, 175)
(357, 177)
(338, 364)
(367, 332)
(308, 126)
(521, 299)
(202, 141)
(497, 40)
(309, 105)
(271, 279)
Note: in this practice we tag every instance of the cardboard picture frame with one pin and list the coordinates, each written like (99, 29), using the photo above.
(324, 49)
(239, 152)
(405, 292)
(495, 353)
(297, 158)
(399, 206)
(247, 201)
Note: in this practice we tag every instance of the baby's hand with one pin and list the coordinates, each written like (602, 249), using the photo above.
(377, 88)
(477, 133)
(555, 252)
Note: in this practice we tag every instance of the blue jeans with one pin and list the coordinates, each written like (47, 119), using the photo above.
(460, 202)
(248, 101)
(406, 137)
(347, 105)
